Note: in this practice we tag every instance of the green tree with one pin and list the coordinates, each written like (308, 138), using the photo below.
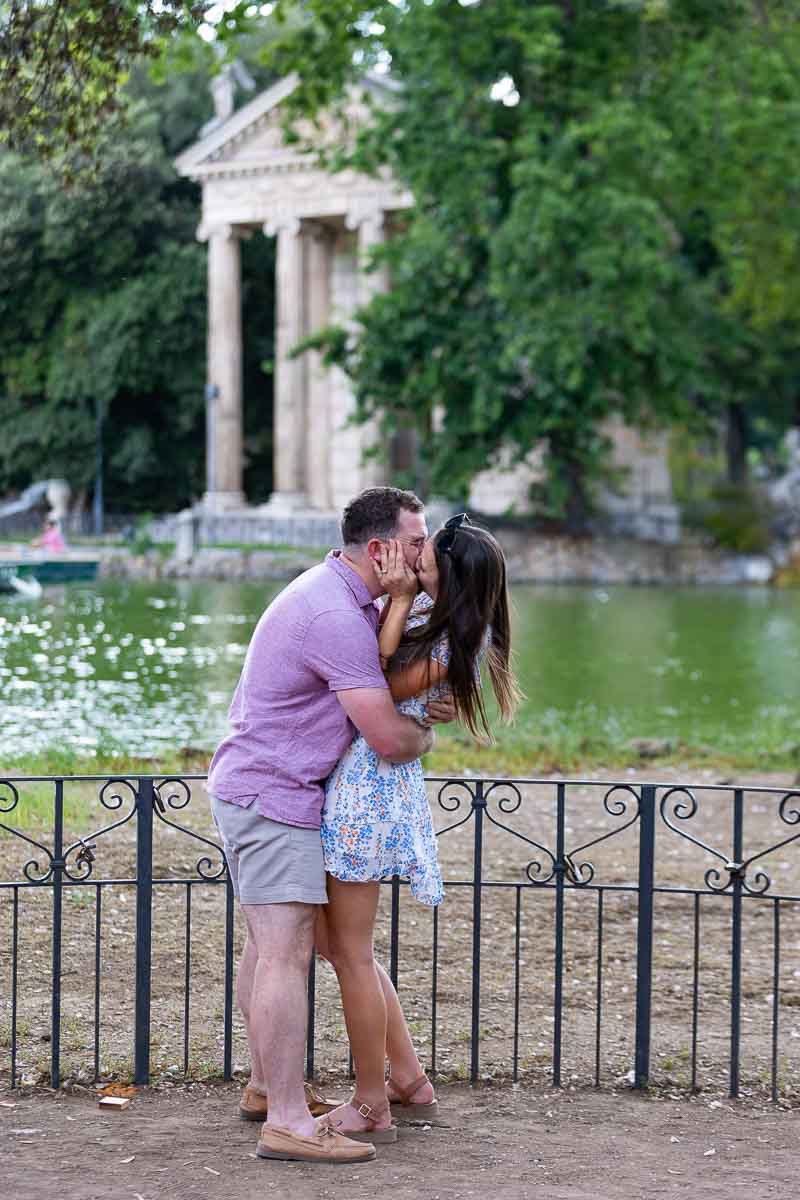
(550, 275)
(103, 302)
(62, 63)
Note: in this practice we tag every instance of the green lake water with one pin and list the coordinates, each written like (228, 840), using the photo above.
(143, 668)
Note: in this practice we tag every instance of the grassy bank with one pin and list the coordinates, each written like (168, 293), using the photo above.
(517, 752)
(584, 739)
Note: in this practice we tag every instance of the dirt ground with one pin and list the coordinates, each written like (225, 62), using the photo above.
(186, 1143)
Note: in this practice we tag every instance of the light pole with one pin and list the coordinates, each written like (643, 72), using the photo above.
(97, 503)
(211, 397)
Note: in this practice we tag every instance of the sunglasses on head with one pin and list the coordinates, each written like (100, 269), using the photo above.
(447, 537)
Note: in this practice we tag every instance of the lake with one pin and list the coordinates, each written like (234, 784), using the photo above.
(145, 668)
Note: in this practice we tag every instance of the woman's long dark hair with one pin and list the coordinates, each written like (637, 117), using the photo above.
(472, 598)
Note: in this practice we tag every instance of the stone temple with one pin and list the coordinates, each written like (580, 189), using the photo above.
(326, 225)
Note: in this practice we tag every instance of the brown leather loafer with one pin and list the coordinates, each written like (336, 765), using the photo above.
(318, 1106)
(253, 1105)
(325, 1146)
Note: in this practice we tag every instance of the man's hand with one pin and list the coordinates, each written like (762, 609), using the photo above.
(394, 573)
(395, 737)
(439, 712)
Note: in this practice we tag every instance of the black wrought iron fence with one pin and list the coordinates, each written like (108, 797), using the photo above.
(591, 931)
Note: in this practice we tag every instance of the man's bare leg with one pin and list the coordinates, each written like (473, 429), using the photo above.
(282, 938)
(245, 978)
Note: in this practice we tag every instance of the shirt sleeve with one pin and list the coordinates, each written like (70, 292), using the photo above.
(341, 647)
(440, 652)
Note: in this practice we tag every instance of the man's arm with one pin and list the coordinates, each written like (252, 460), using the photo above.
(395, 737)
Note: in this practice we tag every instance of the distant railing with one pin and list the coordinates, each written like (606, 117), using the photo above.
(27, 525)
(574, 960)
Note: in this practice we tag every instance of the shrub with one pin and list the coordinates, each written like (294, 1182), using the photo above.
(735, 516)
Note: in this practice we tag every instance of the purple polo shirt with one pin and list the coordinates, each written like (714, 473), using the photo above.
(288, 730)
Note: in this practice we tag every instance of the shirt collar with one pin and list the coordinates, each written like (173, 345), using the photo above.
(354, 581)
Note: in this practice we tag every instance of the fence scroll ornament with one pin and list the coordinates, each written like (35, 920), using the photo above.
(507, 798)
(681, 804)
(76, 862)
(176, 794)
(450, 801)
(509, 803)
(8, 802)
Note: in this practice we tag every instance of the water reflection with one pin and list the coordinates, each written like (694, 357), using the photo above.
(138, 667)
(123, 666)
(709, 666)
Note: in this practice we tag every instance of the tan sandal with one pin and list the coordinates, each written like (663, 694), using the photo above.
(378, 1137)
(404, 1109)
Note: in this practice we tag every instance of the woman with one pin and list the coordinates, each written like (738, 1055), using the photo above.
(376, 819)
(51, 537)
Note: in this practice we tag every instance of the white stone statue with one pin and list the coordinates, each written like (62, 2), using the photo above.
(58, 495)
(223, 92)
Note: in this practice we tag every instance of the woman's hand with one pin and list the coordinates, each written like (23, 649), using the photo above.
(439, 712)
(394, 573)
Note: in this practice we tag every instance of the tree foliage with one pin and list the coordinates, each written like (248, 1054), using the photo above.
(62, 64)
(591, 185)
(605, 225)
(103, 303)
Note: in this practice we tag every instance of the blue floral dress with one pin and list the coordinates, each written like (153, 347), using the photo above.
(376, 820)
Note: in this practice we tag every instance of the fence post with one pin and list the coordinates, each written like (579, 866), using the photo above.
(394, 932)
(58, 881)
(736, 942)
(144, 922)
(227, 1037)
(312, 1014)
(558, 965)
(478, 806)
(644, 937)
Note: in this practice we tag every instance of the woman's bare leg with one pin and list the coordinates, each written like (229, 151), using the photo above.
(350, 915)
(404, 1065)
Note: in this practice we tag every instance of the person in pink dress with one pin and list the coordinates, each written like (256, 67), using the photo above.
(51, 538)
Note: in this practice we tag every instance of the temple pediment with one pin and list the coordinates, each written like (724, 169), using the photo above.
(251, 141)
(252, 179)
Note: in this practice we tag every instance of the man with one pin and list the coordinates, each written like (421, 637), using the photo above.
(312, 676)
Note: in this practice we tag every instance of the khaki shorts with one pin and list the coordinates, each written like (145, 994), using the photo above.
(269, 862)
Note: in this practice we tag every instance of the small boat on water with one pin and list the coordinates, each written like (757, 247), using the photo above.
(24, 573)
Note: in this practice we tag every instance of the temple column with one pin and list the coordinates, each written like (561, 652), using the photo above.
(290, 408)
(403, 453)
(224, 367)
(318, 245)
(371, 234)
